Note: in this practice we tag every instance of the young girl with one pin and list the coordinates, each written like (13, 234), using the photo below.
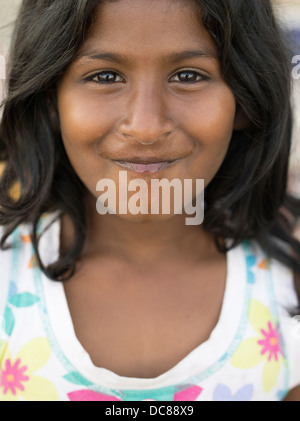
(123, 306)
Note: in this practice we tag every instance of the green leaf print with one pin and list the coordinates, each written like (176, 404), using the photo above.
(9, 321)
(77, 378)
(23, 300)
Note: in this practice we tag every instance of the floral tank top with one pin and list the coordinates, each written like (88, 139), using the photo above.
(252, 354)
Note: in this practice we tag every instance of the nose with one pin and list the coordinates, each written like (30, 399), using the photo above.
(146, 119)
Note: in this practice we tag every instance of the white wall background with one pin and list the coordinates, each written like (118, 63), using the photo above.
(8, 10)
(288, 13)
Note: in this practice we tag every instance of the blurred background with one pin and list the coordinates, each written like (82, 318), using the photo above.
(288, 14)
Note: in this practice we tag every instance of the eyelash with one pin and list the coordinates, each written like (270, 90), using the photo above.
(92, 78)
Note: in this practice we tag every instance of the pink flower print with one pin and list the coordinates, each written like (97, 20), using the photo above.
(271, 342)
(89, 395)
(13, 376)
(190, 393)
(18, 379)
(264, 348)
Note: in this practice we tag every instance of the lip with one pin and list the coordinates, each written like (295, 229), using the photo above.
(146, 166)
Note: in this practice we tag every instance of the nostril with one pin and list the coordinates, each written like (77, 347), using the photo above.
(146, 140)
(146, 134)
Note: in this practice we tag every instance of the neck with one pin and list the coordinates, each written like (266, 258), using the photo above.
(143, 243)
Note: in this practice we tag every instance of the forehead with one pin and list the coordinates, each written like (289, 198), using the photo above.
(151, 26)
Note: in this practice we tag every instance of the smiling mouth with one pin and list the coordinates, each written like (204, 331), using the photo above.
(146, 167)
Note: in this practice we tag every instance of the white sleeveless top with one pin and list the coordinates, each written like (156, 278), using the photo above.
(252, 354)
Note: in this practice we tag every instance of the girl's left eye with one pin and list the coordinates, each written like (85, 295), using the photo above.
(106, 77)
(188, 76)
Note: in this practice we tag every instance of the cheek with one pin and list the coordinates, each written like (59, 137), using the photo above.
(214, 117)
(210, 123)
(85, 122)
(84, 119)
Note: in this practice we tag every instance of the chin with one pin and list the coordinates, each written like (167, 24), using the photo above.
(144, 219)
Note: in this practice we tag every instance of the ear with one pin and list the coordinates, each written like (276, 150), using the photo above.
(241, 121)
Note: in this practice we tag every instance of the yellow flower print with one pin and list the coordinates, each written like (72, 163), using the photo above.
(16, 375)
(265, 348)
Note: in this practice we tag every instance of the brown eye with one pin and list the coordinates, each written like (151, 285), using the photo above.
(106, 77)
(187, 76)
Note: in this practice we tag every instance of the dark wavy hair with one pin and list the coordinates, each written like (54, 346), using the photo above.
(247, 199)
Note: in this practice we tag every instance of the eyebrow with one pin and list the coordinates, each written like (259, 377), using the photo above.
(171, 58)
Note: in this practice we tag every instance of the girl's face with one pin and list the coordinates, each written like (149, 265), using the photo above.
(146, 87)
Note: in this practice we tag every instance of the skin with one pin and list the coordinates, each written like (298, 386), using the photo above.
(147, 110)
(293, 395)
(136, 271)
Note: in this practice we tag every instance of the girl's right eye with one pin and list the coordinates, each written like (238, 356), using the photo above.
(106, 77)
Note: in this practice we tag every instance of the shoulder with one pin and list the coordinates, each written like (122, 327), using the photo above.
(21, 237)
(271, 282)
(278, 279)
(297, 286)
(283, 279)
(18, 258)
(16, 248)
(273, 285)
(8, 266)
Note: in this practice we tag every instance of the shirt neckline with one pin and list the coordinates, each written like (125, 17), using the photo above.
(203, 358)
